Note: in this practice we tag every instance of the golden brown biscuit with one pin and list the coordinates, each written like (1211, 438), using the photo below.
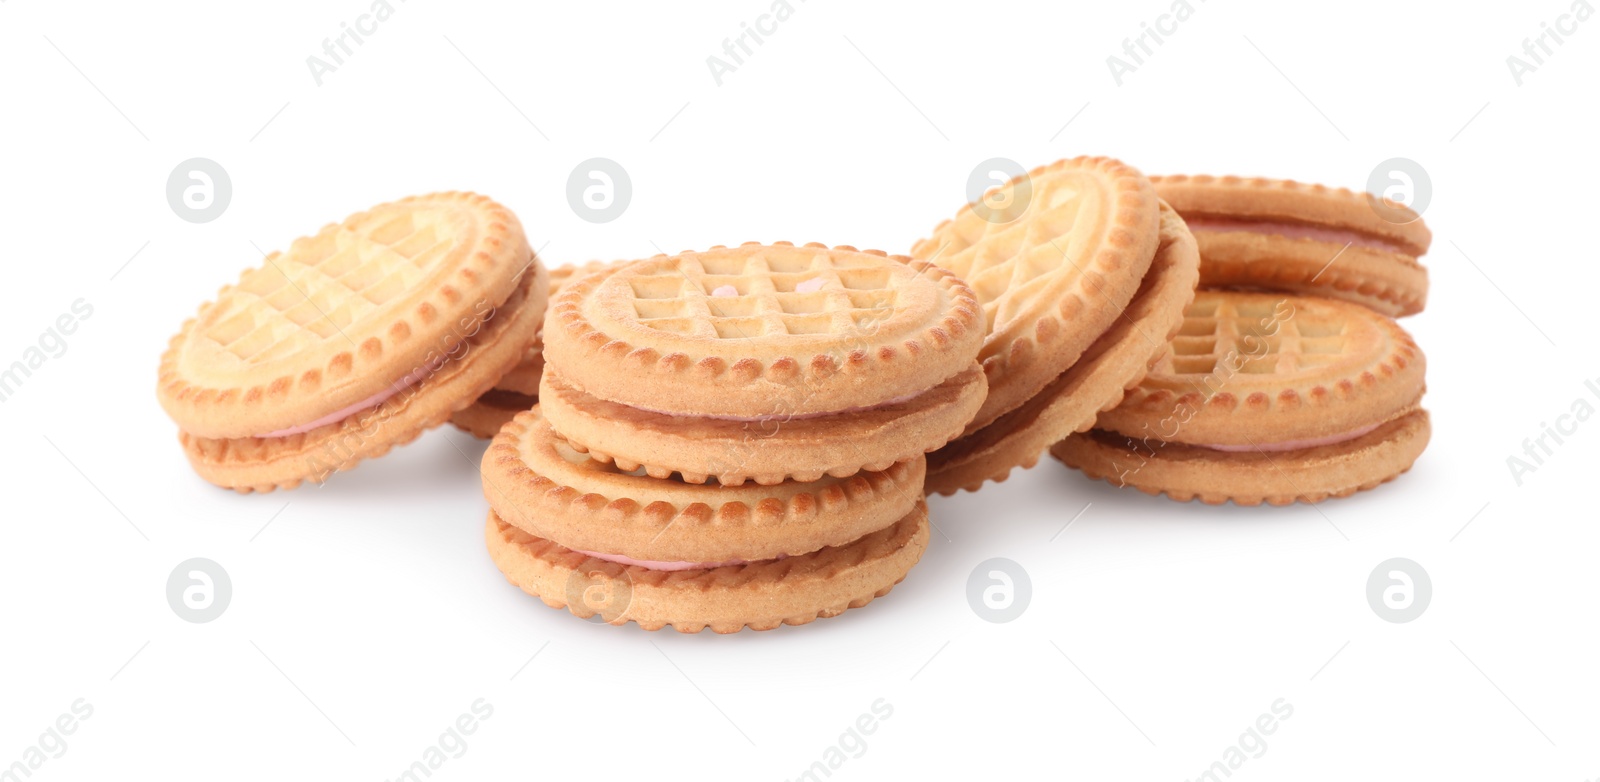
(1185, 472)
(1115, 362)
(536, 482)
(758, 595)
(1248, 366)
(248, 464)
(1257, 386)
(767, 451)
(763, 362)
(400, 308)
(1307, 239)
(1053, 279)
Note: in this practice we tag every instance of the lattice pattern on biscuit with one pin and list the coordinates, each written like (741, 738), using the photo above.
(1256, 335)
(1011, 265)
(774, 292)
(327, 282)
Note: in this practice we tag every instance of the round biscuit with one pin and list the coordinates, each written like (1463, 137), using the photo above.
(1053, 279)
(759, 595)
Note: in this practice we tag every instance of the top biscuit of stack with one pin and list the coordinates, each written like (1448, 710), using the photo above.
(763, 362)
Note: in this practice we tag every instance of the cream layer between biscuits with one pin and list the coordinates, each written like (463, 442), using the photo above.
(365, 404)
(1293, 445)
(1293, 231)
(780, 417)
(655, 564)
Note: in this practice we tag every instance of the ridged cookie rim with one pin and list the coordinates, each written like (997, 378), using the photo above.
(947, 405)
(212, 412)
(1303, 202)
(571, 341)
(1219, 414)
(1311, 267)
(886, 548)
(214, 467)
(749, 522)
(1011, 435)
(1052, 326)
(1415, 427)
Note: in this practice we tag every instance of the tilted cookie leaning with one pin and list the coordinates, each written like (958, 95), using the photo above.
(1116, 361)
(583, 535)
(353, 341)
(1281, 235)
(1266, 398)
(763, 362)
(518, 390)
(1055, 277)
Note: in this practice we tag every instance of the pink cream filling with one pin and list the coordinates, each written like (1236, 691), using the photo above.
(780, 416)
(1294, 231)
(1295, 445)
(365, 404)
(652, 564)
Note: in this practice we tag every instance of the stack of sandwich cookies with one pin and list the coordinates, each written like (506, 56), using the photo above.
(763, 363)
(517, 390)
(1096, 381)
(583, 535)
(734, 438)
(1269, 234)
(353, 341)
(1266, 398)
(1056, 280)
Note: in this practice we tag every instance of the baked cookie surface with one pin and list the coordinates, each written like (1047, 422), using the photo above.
(1251, 367)
(763, 362)
(402, 314)
(1095, 383)
(1055, 277)
(760, 595)
(1186, 472)
(248, 464)
(1307, 239)
(756, 330)
(1266, 398)
(535, 481)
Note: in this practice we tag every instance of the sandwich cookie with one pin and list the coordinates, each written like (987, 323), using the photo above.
(1270, 234)
(1266, 398)
(1054, 278)
(518, 390)
(582, 534)
(353, 341)
(1118, 360)
(762, 362)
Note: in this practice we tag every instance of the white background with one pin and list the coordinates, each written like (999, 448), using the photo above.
(366, 615)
